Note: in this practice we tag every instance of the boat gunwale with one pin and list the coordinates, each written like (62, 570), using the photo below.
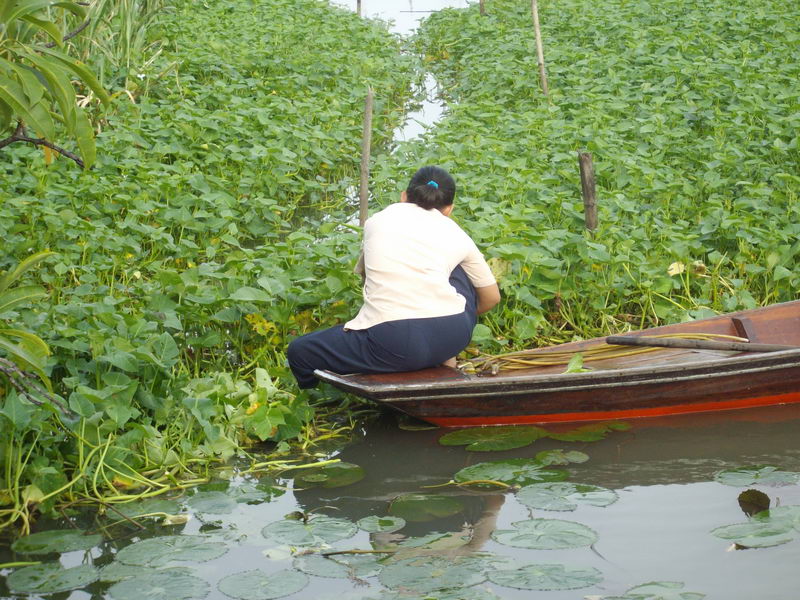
(609, 378)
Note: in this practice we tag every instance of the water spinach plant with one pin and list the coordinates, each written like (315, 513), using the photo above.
(212, 228)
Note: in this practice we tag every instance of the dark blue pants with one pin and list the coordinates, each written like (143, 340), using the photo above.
(390, 347)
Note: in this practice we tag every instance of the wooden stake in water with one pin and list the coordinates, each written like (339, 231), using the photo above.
(366, 143)
(539, 49)
(588, 190)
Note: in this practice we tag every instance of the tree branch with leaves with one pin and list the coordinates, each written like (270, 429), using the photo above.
(36, 79)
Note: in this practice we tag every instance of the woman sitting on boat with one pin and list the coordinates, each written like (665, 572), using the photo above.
(425, 282)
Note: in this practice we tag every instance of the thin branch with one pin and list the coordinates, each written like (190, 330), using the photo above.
(71, 34)
(26, 386)
(19, 136)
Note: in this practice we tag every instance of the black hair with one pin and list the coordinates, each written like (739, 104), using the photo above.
(431, 187)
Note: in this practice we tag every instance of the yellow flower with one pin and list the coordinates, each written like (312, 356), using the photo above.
(252, 408)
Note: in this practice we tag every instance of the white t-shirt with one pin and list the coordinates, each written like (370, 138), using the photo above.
(409, 253)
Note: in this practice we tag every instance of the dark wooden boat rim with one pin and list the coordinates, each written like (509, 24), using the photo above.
(723, 366)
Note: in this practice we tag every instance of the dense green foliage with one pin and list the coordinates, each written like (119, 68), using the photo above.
(199, 242)
(691, 111)
(217, 222)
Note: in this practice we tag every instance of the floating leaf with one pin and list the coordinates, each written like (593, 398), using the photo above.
(160, 585)
(756, 475)
(757, 534)
(547, 577)
(342, 566)
(561, 457)
(330, 476)
(425, 574)
(546, 534)
(258, 585)
(157, 507)
(590, 433)
(493, 438)
(787, 514)
(375, 524)
(117, 571)
(158, 551)
(418, 508)
(50, 578)
(217, 503)
(317, 530)
(565, 496)
(56, 541)
(660, 590)
(515, 471)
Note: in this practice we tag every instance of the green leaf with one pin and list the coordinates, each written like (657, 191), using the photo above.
(160, 585)
(547, 577)
(428, 574)
(375, 524)
(330, 476)
(14, 95)
(493, 438)
(24, 265)
(515, 471)
(546, 534)
(19, 296)
(417, 508)
(159, 551)
(50, 578)
(757, 534)
(213, 502)
(258, 585)
(561, 457)
(250, 294)
(338, 567)
(565, 496)
(756, 475)
(56, 541)
(318, 530)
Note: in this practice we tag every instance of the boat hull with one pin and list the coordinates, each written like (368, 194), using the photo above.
(670, 382)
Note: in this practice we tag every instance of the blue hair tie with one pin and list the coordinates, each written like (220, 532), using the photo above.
(432, 183)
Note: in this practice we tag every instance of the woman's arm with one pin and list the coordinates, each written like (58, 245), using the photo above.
(488, 297)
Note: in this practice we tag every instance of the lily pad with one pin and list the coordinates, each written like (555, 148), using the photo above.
(419, 508)
(157, 507)
(330, 476)
(258, 585)
(789, 513)
(757, 534)
(159, 551)
(117, 571)
(375, 524)
(546, 534)
(593, 432)
(565, 496)
(493, 438)
(56, 541)
(426, 574)
(547, 577)
(50, 578)
(342, 566)
(561, 457)
(757, 475)
(316, 531)
(160, 585)
(659, 590)
(515, 471)
(217, 503)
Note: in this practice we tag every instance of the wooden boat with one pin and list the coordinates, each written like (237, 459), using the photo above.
(745, 359)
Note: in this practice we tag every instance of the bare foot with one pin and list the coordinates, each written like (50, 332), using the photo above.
(450, 362)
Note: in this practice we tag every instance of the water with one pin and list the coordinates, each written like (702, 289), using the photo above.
(404, 18)
(658, 530)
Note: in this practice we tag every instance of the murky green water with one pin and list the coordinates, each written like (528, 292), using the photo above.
(659, 529)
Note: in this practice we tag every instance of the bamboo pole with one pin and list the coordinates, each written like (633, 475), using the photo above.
(645, 340)
(483, 7)
(539, 48)
(358, 7)
(366, 143)
(588, 190)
